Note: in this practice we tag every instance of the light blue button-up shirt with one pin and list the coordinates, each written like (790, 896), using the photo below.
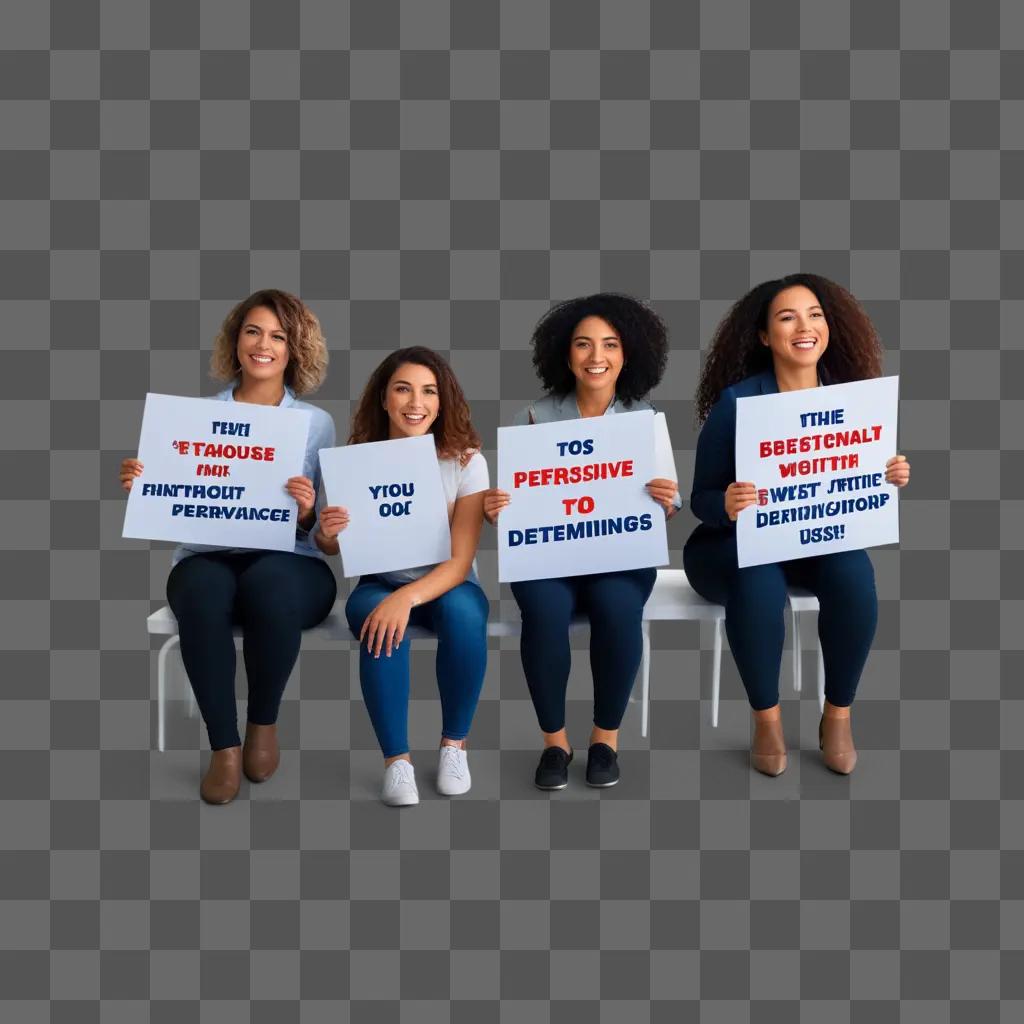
(321, 435)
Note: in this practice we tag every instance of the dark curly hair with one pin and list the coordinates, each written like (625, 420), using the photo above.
(642, 332)
(454, 434)
(854, 351)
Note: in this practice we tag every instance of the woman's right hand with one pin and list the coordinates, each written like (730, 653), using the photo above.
(333, 520)
(494, 502)
(739, 496)
(130, 469)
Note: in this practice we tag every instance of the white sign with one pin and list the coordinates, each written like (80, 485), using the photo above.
(398, 515)
(579, 503)
(817, 457)
(215, 472)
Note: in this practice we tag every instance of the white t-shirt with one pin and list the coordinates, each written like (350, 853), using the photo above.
(457, 481)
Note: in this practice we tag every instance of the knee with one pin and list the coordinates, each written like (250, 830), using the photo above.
(763, 586)
(847, 575)
(541, 603)
(195, 600)
(357, 607)
(464, 607)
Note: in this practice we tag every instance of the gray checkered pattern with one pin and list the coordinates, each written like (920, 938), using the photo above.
(437, 172)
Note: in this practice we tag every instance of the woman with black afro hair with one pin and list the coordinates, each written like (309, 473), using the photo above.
(595, 356)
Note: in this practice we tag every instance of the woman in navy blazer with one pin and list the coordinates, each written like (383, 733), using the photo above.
(801, 331)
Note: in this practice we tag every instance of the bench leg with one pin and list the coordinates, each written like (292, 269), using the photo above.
(161, 692)
(716, 671)
(645, 670)
(821, 680)
(797, 657)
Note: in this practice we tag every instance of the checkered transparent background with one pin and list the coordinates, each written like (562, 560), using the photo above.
(438, 173)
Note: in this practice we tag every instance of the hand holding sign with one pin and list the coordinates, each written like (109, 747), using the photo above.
(494, 501)
(301, 489)
(130, 469)
(739, 496)
(897, 471)
(664, 492)
(333, 520)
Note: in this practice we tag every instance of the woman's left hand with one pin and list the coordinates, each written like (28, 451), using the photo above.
(386, 624)
(897, 471)
(664, 492)
(302, 490)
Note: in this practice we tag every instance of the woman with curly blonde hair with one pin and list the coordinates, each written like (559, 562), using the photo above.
(412, 393)
(269, 349)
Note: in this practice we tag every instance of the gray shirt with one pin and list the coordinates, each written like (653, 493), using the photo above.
(321, 435)
(553, 408)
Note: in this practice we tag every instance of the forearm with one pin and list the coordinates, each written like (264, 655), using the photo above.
(709, 506)
(442, 578)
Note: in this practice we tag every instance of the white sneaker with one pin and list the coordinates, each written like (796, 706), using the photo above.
(453, 777)
(399, 789)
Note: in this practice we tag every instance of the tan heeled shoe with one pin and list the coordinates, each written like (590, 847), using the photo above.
(223, 776)
(768, 748)
(260, 754)
(835, 740)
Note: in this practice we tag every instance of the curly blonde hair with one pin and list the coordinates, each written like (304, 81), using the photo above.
(307, 351)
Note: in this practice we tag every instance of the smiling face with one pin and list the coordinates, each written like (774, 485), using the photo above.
(595, 354)
(411, 400)
(262, 346)
(797, 332)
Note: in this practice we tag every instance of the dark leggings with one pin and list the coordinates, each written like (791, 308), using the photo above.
(755, 603)
(614, 603)
(274, 596)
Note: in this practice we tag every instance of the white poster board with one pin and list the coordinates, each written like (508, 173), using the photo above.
(398, 514)
(578, 499)
(817, 457)
(215, 472)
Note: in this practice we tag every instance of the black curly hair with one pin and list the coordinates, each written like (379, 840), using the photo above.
(642, 332)
(854, 351)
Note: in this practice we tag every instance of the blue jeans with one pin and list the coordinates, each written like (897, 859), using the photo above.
(459, 618)
(614, 603)
(755, 605)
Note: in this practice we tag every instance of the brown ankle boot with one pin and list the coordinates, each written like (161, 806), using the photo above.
(260, 755)
(223, 776)
(835, 738)
(768, 749)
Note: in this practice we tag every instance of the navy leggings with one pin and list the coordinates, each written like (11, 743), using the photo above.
(614, 603)
(274, 596)
(755, 602)
(459, 618)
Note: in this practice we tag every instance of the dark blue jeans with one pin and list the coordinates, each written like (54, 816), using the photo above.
(274, 595)
(459, 618)
(614, 603)
(755, 604)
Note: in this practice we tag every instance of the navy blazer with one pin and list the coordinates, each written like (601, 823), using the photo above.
(715, 465)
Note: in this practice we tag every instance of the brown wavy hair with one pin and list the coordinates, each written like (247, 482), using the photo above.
(307, 350)
(455, 437)
(854, 351)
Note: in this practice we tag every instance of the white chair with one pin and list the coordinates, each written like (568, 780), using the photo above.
(672, 600)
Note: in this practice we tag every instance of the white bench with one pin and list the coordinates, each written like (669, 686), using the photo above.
(672, 600)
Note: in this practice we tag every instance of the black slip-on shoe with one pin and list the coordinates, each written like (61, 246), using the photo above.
(553, 769)
(602, 766)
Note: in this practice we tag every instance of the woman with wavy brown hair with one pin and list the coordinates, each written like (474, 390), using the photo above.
(269, 350)
(414, 392)
(800, 331)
